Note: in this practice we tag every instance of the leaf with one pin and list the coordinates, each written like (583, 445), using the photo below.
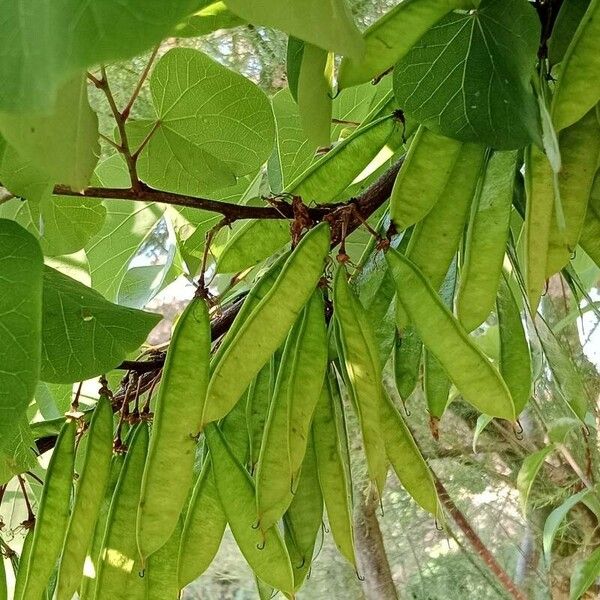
(126, 226)
(392, 36)
(83, 334)
(482, 422)
(325, 24)
(528, 473)
(314, 94)
(50, 41)
(556, 517)
(210, 18)
(17, 454)
(217, 111)
(584, 575)
(64, 144)
(292, 154)
(295, 50)
(172, 163)
(21, 265)
(469, 76)
(569, 16)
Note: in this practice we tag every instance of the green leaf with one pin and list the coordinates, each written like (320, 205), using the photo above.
(210, 18)
(392, 36)
(84, 335)
(528, 473)
(17, 454)
(126, 226)
(584, 575)
(219, 112)
(314, 94)
(295, 50)
(63, 224)
(556, 517)
(63, 144)
(293, 154)
(172, 163)
(469, 76)
(325, 24)
(20, 323)
(482, 422)
(48, 42)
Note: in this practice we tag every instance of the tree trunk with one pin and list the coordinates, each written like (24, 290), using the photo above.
(373, 565)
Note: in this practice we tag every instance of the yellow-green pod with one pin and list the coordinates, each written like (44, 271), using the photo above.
(423, 177)
(486, 241)
(329, 438)
(90, 491)
(177, 420)
(163, 583)
(580, 153)
(539, 188)
(362, 370)
(578, 87)
(119, 558)
(314, 94)
(267, 325)
(21, 575)
(303, 519)
(258, 401)
(590, 234)
(469, 369)
(265, 551)
(406, 459)
(53, 515)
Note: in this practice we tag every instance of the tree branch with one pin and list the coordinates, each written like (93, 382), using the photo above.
(365, 204)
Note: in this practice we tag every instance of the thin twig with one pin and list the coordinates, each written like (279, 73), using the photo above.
(138, 88)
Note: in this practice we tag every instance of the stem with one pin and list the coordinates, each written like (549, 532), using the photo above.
(488, 558)
(138, 88)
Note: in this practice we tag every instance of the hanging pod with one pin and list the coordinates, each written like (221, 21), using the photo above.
(578, 87)
(303, 519)
(423, 177)
(177, 419)
(120, 565)
(486, 241)
(268, 324)
(265, 551)
(406, 458)
(580, 152)
(469, 369)
(205, 519)
(362, 372)
(299, 382)
(53, 515)
(90, 492)
(333, 468)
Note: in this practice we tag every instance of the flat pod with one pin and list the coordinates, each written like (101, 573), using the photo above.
(119, 559)
(91, 566)
(303, 519)
(578, 87)
(53, 515)
(177, 419)
(21, 575)
(161, 575)
(314, 94)
(590, 234)
(205, 518)
(435, 239)
(258, 402)
(360, 361)
(268, 324)
(91, 488)
(392, 36)
(539, 186)
(265, 551)
(466, 365)
(422, 177)
(515, 358)
(580, 152)
(436, 386)
(333, 470)
(406, 459)
(407, 360)
(3, 586)
(486, 241)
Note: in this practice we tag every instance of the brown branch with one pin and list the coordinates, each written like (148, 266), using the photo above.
(488, 558)
(365, 204)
